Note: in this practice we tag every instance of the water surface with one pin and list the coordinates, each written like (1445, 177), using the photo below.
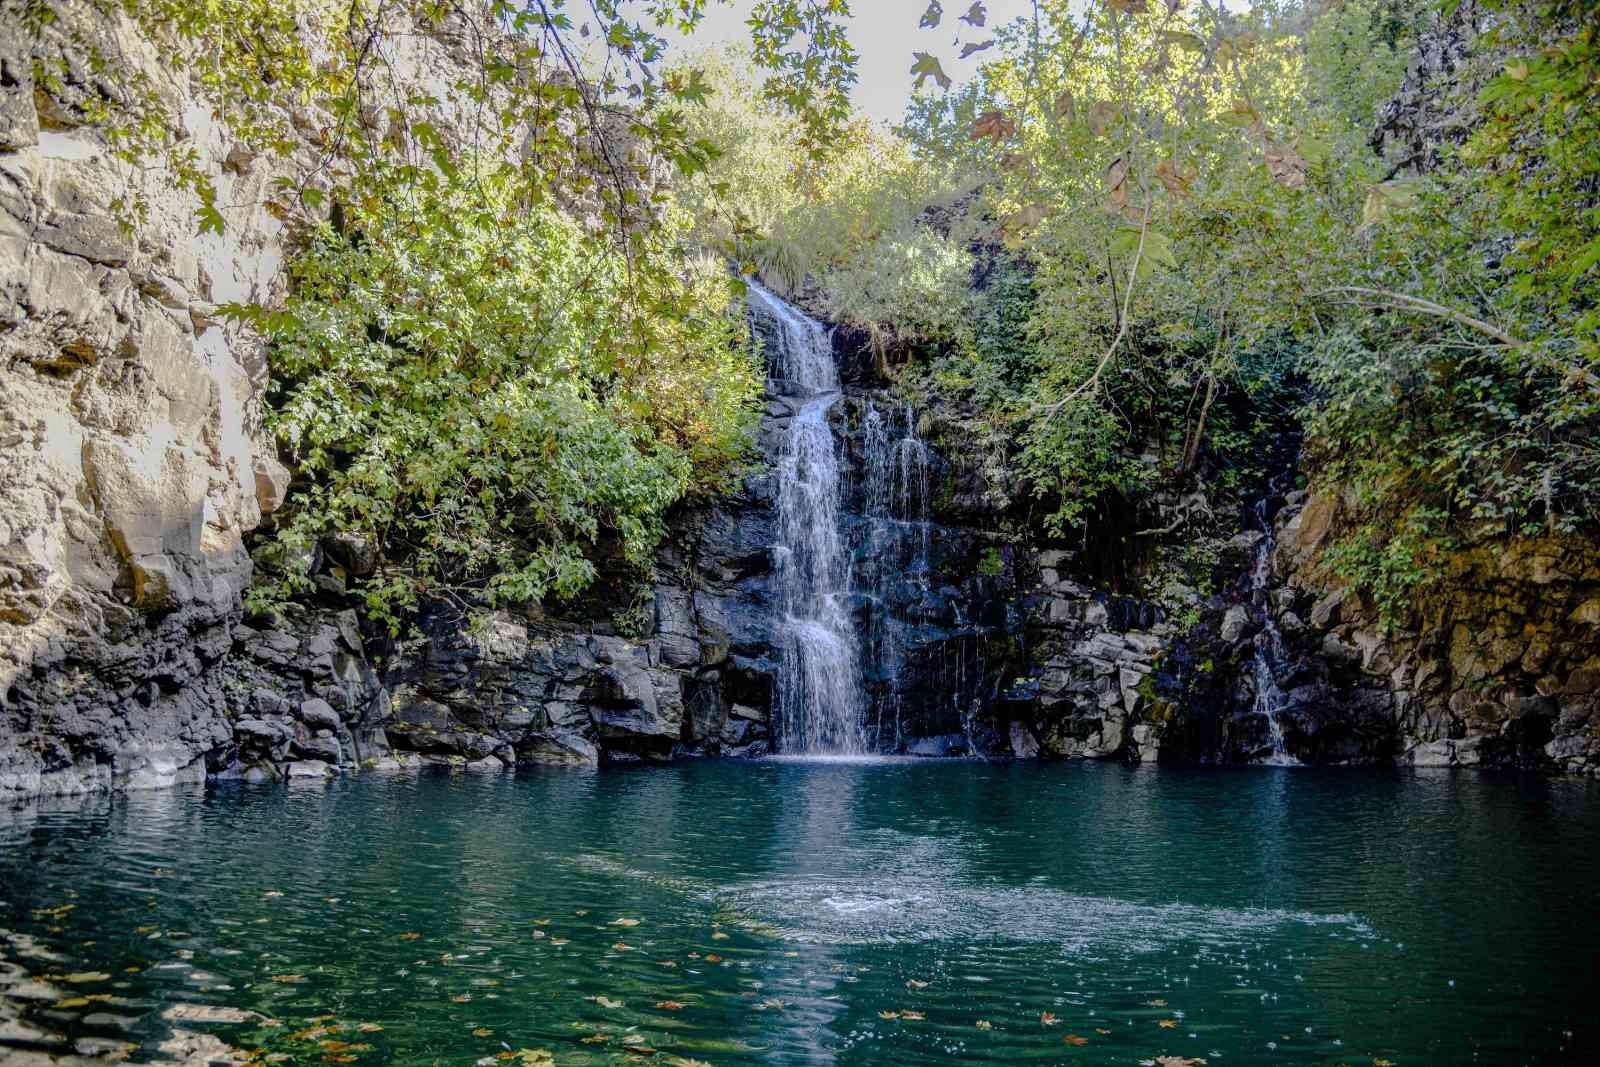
(795, 913)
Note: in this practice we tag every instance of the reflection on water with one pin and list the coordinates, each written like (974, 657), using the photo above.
(815, 912)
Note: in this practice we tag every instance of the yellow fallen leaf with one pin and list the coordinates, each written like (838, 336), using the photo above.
(410, 935)
(914, 1016)
(624, 922)
(1168, 1024)
(985, 1024)
(669, 1005)
(1075, 1041)
(289, 979)
(719, 936)
(914, 983)
(560, 941)
(1156, 1003)
(482, 1031)
(368, 1028)
(596, 1039)
(888, 1015)
(622, 946)
(712, 957)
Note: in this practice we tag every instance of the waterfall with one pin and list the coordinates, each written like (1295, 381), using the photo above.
(1269, 654)
(821, 703)
(896, 505)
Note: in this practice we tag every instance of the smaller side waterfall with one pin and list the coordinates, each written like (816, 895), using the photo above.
(821, 704)
(1269, 655)
(895, 500)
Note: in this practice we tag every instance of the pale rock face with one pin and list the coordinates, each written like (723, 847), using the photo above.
(128, 468)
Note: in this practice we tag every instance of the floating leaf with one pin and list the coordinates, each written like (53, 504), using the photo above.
(80, 977)
(914, 983)
(888, 1015)
(927, 66)
(914, 1016)
(624, 922)
(1168, 1024)
(410, 936)
(669, 1005)
(369, 1028)
(607, 1002)
(1075, 1041)
(1176, 1061)
(595, 1039)
(482, 1031)
(712, 957)
(289, 979)
(976, 15)
(719, 936)
(984, 1024)
(1047, 1019)
(1159, 1002)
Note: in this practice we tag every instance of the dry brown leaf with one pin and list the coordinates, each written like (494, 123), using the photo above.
(993, 125)
(1075, 1041)
(1176, 180)
(1101, 116)
(1168, 1024)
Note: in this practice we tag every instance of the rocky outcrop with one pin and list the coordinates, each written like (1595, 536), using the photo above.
(128, 462)
(1497, 664)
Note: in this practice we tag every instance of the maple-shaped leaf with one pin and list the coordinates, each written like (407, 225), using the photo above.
(1027, 218)
(1101, 116)
(927, 66)
(976, 15)
(1177, 182)
(931, 17)
(973, 49)
(1116, 178)
(993, 125)
(1288, 167)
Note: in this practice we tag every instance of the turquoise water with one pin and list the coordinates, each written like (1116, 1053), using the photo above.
(772, 912)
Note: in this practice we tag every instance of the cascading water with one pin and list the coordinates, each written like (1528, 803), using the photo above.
(821, 704)
(895, 501)
(1269, 654)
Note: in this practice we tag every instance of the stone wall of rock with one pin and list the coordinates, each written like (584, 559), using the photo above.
(132, 466)
(1499, 665)
(129, 465)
